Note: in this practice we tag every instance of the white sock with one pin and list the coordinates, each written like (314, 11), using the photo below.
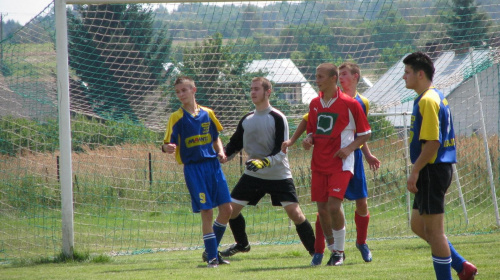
(331, 247)
(339, 237)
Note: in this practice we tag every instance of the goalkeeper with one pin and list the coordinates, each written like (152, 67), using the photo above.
(261, 133)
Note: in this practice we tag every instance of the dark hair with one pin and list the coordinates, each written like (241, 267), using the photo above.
(420, 61)
(266, 84)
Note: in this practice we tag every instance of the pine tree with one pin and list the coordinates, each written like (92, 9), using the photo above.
(466, 25)
(117, 57)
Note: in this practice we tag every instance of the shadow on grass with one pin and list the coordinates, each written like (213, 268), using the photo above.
(77, 257)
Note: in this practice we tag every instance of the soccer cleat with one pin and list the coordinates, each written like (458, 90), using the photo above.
(468, 272)
(235, 248)
(365, 252)
(204, 257)
(213, 263)
(337, 258)
(316, 260)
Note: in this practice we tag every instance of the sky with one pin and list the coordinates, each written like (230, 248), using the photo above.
(22, 11)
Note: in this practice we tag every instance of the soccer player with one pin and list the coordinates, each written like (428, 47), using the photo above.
(432, 153)
(349, 75)
(261, 133)
(193, 135)
(336, 126)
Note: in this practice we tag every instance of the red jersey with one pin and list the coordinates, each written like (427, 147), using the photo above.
(333, 126)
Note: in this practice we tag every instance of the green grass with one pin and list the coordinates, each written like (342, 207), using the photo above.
(392, 259)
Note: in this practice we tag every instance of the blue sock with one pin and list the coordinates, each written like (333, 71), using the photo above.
(457, 260)
(210, 245)
(442, 267)
(219, 230)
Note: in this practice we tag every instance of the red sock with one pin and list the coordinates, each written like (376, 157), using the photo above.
(361, 227)
(319, 243)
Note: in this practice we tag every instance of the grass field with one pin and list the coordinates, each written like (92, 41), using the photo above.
(392, 259)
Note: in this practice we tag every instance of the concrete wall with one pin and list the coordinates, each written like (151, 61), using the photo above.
(464, 103)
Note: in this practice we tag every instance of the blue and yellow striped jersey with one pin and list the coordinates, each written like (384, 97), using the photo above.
(431, 120)
(193, 135)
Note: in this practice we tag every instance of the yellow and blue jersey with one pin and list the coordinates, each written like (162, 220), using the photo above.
(193, 135)
(431, 120)
(365, 104)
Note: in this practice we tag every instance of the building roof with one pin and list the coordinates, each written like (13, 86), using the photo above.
(284, 71)
(390, 95)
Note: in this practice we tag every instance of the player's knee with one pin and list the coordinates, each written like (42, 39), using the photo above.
(295, 213)
(334, 208)
(363, 212)
(322, 212)
(225, 211)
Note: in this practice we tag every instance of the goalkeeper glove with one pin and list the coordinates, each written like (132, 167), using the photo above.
(256, 164)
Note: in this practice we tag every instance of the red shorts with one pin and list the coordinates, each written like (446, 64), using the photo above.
(326, 185)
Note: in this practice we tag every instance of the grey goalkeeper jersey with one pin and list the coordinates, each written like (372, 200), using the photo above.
(261, 134)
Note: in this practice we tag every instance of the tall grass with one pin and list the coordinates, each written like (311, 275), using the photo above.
(118, 209)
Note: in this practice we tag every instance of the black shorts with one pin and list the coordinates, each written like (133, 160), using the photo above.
(432, 184)
(252, 189)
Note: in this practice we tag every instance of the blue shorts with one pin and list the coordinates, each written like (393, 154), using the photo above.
(207, 185)
(357, 185)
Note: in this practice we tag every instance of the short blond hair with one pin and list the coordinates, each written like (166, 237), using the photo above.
(184, 80)
(331, 68)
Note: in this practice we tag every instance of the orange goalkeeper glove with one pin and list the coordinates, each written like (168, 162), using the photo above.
(257, 164)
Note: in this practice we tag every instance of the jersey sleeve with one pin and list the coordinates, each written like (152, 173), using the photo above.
(429, 110)
(281, 135)
(362, 125)
(172, 132)
(214, 119)
(306, 117)
(365, 104)
(311, 118)
(236, 141)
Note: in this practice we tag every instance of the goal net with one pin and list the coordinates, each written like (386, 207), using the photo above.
(129, 198)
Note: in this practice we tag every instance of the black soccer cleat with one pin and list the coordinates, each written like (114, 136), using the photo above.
(204, 257)
(213, 263)
(337, 258)
(235, 248)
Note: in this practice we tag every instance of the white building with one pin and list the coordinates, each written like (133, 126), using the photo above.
(285, 74)
(453, 76)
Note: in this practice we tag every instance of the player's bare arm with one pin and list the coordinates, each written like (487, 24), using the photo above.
(296, 135)
(219, 148)
(373, 161)
(429, 150)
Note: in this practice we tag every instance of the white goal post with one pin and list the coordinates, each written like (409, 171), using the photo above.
(64, 109)
(387, 183)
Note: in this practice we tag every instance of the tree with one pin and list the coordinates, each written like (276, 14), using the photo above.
(9, 27)
(117, 56)
(220, 76)
(389, 56)
(251, 20)
(466, 25)
(310, 59)
(389, 29)
(381, 127)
